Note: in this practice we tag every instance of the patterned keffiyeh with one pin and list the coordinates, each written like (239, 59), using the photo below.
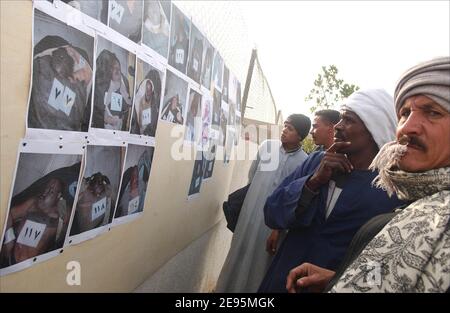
(412, 252)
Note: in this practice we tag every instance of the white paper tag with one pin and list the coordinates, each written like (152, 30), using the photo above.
(68, 101)
(197, 182)
(31, 233)
(133, 205)
(9, 236)
(170, 117)
(116, 11)
(179, 56)
(195, 65)
(80, 65)
(116, 102)
(56, 95)
(146, 117)
(98, 209)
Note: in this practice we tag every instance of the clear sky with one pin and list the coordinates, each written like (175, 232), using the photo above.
(371, 43)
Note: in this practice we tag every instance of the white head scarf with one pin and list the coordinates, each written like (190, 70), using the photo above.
(375, 107)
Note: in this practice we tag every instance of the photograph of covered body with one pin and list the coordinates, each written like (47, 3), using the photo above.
(194, 118)
(179, 40)
(125, 17)
(207, 64)
(195, 54)
(97, 9)
(114, 85)
(156, 26)
(98, 189)
(147, 99)
(207, 106)
(62, 76)
(174, 102)
(40, 207)
(217, 71)
(135, 179)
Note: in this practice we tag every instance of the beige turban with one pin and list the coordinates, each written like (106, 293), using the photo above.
(431, 79)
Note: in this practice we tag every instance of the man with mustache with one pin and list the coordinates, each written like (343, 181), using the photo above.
(329, 197)
(407, 250)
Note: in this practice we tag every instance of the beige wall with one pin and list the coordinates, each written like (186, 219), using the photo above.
(123, 258)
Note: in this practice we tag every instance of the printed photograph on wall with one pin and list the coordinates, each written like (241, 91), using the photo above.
(195, 54)
(114, 86)
(156, 26)
(179, 40)
(207, 64)
(224, 113)
(98, 189)
(207, 105)
(217, 70)
(125, 17)
(210, 159)
(97, 9)
(174, 102)
(194, 118)
(61, 77)
(197, 175)
(226, 75)
(138, 164)
(216, 117)
(147, 100)
(41, 204)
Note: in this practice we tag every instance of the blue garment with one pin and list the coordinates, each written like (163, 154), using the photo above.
(312, 237)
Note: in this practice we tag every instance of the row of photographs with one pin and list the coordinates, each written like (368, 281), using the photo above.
(64, 194)
(122, 90)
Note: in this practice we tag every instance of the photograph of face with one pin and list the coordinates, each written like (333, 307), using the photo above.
(147, 99)
(135, 178)
(62, 76)
(40, 207)
(193, 118)
(98, 189)
(156, 26)
(125, 17)
(114, 85)
(179, 40)
(217, 70)
(195, 54)
(197, 174)
(210, 159)
(97, 9)
(174, 102)
(206, 118)
(208, 54)
(225, 88)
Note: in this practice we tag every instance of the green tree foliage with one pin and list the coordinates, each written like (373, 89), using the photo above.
(308, 144)
(329, 90)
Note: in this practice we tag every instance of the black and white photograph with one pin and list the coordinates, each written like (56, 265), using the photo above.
(207, 64)
(194, 118)
(216, 114)
(174, 103)
(114, 86)
(195, 54)
(210, 159)
(217, 70)
(224, 114)
(125, 17)
(61, 76)
(156, 26)
(97, 9)
(179, 40)
(147, 100)
(41, 202)
(225, 88)
(197, 175)
(138, 164)
(98, 189)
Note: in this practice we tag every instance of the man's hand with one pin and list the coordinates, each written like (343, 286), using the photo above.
(309, 276)
(332, 163)
(272, 241)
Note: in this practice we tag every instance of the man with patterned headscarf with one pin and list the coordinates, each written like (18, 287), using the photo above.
(329, 197)
(408, 250)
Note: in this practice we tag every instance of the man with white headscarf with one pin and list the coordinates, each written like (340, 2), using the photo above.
(407, 250)
(327, 199)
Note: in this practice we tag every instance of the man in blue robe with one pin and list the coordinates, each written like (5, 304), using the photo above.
(330, 196)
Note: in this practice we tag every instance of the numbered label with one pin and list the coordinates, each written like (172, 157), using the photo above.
(179, 56)
(31, 233)
(116, 102)
(98, 209)
(116, 11)
(133, 205)
(146, 117)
